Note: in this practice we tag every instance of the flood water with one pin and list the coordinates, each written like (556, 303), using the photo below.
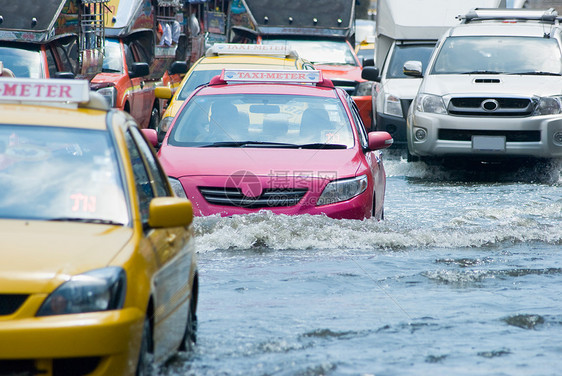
(463, 277)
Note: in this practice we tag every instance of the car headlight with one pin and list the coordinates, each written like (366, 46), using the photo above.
(93, 291)
(342, 190)
(110, 95)
(430, 103)
(364, 88)
(177, 187)
(548, 105)
(392, 105)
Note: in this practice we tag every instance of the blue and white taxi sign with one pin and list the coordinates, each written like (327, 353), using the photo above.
(250, 49)
(44, 90)
(284, 76)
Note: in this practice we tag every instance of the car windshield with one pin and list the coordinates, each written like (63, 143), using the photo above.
(52, 173)
(22, 61)
(248, 120)
(319, 51)
(112, 58)
(196, 78)
(509, 55)
(406, 52)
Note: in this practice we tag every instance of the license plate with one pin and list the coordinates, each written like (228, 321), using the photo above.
(488, 143)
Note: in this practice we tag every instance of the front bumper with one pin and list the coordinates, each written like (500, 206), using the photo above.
(112, 339)
(394, 125)
(447, 135)
(358, 207)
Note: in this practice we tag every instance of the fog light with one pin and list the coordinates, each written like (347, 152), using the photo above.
(557, 138)
(420, 134)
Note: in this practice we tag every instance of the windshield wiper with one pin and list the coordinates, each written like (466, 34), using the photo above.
(537, 73)
(87, 220)
(228, 144)
(320, 145)
(483, 72)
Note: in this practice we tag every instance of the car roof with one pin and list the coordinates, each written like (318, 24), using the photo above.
(269, 88)
(212, 62)
(503, 28)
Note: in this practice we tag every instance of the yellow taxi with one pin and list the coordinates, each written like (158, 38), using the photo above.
(99, 272)
(227, 56)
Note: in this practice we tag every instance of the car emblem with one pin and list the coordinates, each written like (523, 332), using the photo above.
(490, 105)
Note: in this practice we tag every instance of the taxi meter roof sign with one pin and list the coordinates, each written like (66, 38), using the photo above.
(50, 90)
(250, 49)
(292, 76)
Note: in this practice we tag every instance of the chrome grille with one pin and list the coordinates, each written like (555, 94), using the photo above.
(510, 136)
(500, 106)
(268, 199)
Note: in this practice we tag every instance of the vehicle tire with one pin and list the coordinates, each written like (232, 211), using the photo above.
(411, 157)
(190, 334)
(154, 118)
(144, 364)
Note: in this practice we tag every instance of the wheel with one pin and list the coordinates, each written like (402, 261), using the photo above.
(154, 118)
(144, 364)
(190, 334)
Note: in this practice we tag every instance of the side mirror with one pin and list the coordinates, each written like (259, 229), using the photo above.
(169, 212)
(369, 62)
(163, 92)
(379, 140)
(139, 70)
(151, 136)
(413, 68)
(178, 67)
(371, 74)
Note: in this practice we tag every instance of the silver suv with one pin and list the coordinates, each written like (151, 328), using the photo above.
(492, 89)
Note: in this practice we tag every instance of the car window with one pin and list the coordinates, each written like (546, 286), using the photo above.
(51, 63)
(320, 52)
(270, 118)
(112, 58)
(510, 55)
(145, 192)
(159, 178)
(53, 173)
(404, 53)
(23, 61)
(359, 123)
(196, 78)
(68, 54)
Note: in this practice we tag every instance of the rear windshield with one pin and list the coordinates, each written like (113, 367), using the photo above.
(292, 119)
(52, 173)
(510, 55)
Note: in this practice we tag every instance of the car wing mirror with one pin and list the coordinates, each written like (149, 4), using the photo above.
(379, 140)
(371, 73)
(413, 68)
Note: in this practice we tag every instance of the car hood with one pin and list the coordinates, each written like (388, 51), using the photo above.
(37, 255)
(183, 161)
(403, 88)
(488, 85)
(341, 72)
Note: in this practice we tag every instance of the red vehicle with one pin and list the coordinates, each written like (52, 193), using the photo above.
(321, 31)
(51, 39)
(284, 141)
(134, 63)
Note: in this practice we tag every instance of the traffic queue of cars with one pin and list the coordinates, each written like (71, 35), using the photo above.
(98, 273)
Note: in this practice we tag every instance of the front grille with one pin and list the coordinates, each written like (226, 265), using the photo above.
(75, 366)
(510, 136)
(501, 106)
(268, 199)
(18, 367)
(9, 303)
(347, 85)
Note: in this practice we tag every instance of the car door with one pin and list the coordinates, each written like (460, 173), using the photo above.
(372, 158)
(173, 251)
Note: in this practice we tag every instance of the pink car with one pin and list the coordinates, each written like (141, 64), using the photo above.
(288, 142)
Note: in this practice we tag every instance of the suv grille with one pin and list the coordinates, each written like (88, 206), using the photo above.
(510, 136)
(268, 199)
(9, 303)
(491, 106)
